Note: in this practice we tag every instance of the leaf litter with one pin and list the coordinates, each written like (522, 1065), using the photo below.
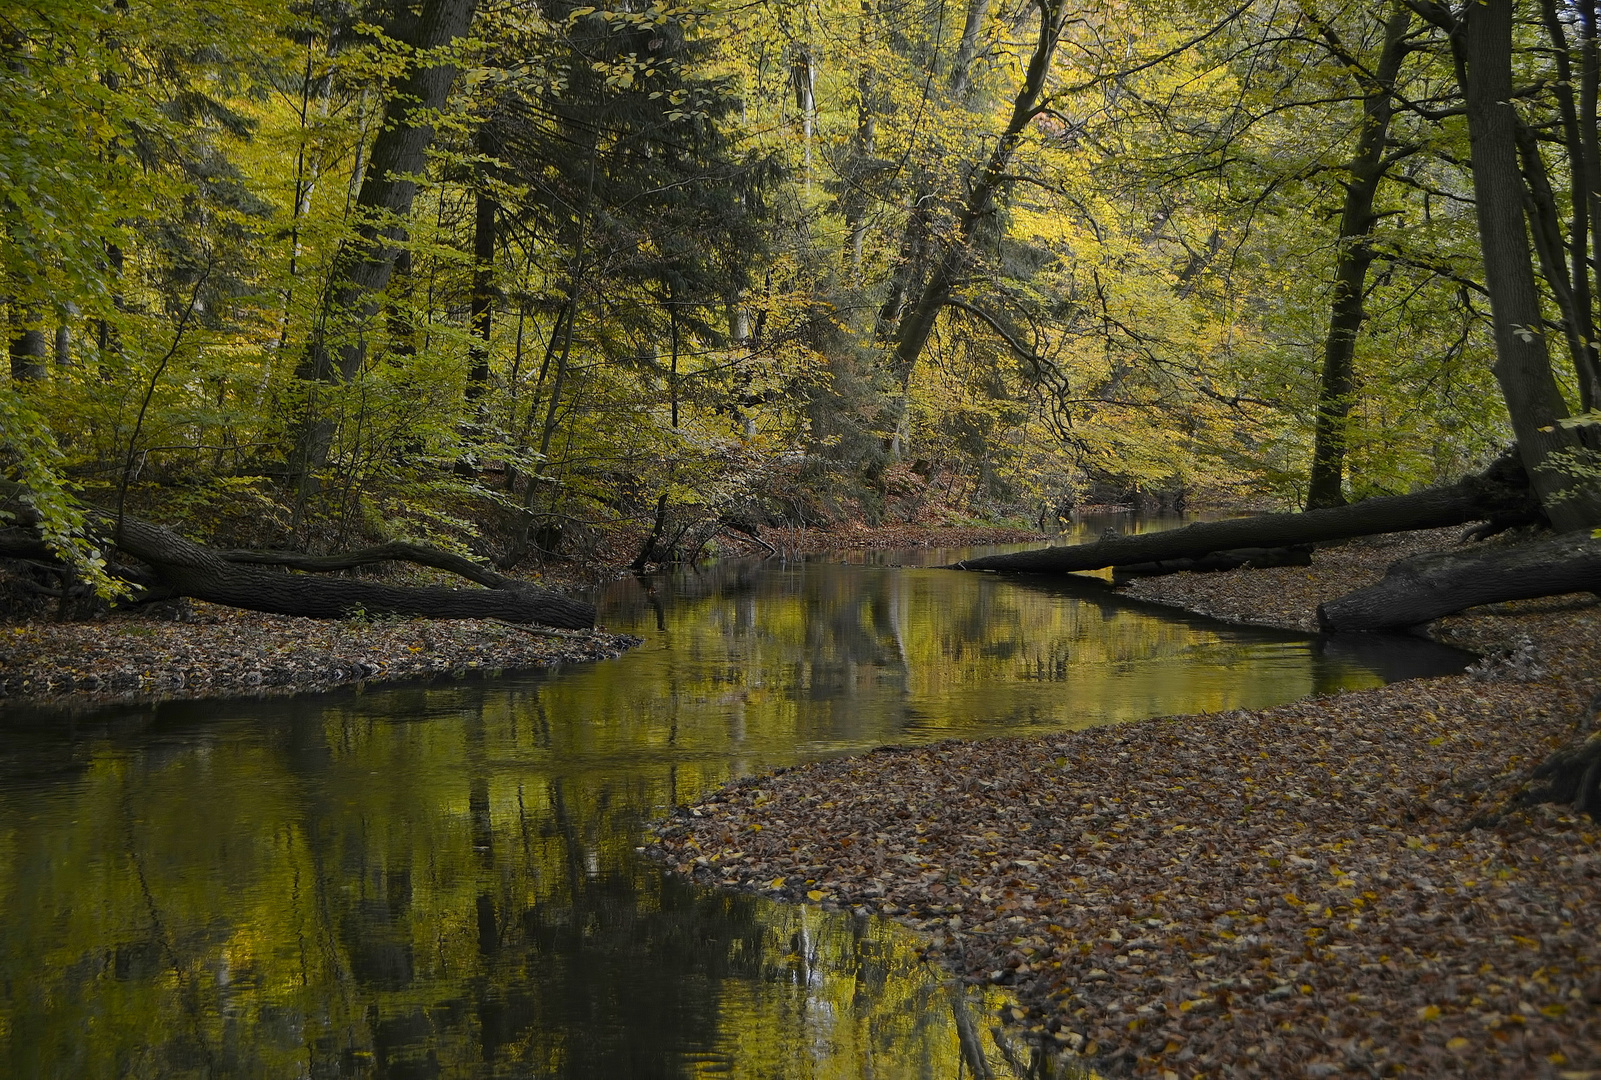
(1341, 886)
(212, 651)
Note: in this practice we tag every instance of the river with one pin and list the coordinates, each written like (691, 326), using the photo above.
(442, 880)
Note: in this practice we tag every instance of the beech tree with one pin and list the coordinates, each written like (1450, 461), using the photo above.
(1482, 44)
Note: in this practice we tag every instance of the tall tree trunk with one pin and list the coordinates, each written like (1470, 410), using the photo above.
(1483, 48)
(978, 12)
(483, 294)
(1498, 494)
(1571, 268)
(337, 350)
(918, 323)
(1346, 310)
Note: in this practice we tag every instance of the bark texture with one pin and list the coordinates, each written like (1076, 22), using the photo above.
(220, 578)
(1366, 170)
(1483, 47)
(1425, 587)
(1501, 493)
(1237, 559)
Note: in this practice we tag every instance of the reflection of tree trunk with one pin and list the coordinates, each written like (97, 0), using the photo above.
(1483, 48)
(572, 843)
(1367, 168)
(967, 1036)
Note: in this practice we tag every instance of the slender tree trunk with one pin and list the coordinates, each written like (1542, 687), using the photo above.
(1572, 266)
(978, 12)
(1367, 168)
(803, 73)
(483, 295)
(1590, 134)
(1523, 367)
(918, 323)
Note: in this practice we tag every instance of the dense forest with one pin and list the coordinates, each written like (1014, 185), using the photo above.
(514, 280)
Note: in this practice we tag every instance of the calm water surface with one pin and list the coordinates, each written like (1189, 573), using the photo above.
(441, 880)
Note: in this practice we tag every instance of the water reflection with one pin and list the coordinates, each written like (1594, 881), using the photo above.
(441, 880)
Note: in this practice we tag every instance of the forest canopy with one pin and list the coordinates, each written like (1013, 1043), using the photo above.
(508, 278)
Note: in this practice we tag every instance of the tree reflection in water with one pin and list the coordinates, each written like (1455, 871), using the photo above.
(442, 881)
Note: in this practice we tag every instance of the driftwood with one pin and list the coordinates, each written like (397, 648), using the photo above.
(180, 567)
(1501, 494)
(1424, 587)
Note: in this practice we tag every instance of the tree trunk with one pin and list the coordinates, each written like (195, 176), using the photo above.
(918, 323)
(1523, 367)
(1425, 587)
(214, 576)
(1500, 493)
(1572, 775)
(1584, 173)
(28, 352)
(234, 578)
(363, 267)
(967, 51)
(1367, 168)
(1255, 558)
(482, 313)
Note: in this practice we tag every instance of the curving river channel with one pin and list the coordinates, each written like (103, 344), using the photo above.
(442, 880)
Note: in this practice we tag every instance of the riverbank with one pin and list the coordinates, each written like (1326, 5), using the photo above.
(189, 649)
(214, 651)
(1339, 886)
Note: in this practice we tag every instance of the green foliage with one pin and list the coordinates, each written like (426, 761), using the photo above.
(705, 226)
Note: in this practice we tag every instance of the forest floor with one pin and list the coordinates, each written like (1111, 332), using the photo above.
(1339, 886)
(188, 649)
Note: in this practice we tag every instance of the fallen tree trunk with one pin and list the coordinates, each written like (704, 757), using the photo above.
(1501, 494)
(180, 567)
(225, 578)
(394, 551)
(1235, 559)
(1424, 587)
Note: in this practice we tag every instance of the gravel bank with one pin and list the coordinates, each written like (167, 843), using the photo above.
(1333, 887)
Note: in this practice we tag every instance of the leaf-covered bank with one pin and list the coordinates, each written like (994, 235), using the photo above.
(213, 651)
(224, 652)
(1298, 891)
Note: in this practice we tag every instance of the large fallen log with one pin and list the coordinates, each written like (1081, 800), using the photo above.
(1500, 494)
(203, 573)
(181, 567)
(1235, 559)
(1424, 587)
